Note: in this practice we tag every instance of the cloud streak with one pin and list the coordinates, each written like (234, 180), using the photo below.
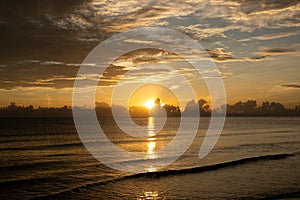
(279, 50)
(275, 36)
(291, 86)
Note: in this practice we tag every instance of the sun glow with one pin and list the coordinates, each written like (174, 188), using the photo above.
(150, 104)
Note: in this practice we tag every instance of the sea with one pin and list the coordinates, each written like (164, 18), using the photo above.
(254, 158)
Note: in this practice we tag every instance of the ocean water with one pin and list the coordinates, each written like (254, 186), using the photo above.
(254, 158)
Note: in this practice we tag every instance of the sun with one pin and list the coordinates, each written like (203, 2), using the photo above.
(149, 104)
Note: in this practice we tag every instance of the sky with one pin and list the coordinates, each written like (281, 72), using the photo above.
(254, 43)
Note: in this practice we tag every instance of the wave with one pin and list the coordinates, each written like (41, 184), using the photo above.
(226, 134)
(257, 133)
(210, 167)
(166, 173)
(27, 182)
(31, 166)
(73, 144)
(246, 146)
(42, 147)
(287, 195)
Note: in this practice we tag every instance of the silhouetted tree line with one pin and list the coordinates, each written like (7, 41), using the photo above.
(13, 110)
(193, 108)
(248, 108)
(104, 110)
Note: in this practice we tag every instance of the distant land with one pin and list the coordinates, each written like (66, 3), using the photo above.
(248, 108)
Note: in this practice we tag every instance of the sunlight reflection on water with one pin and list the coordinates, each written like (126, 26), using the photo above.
(151, 151)
(151, 127)
(150, 195)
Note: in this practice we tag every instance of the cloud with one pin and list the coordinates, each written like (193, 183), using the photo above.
(291, 86)
(30, 73)
(35, 34)
(279, 50)
(197, 31)
(268, 53)
(219, 54)
(258, 58)
(44, 42)
(275, 36)
(273, 13)
(144, 56)
(254, 7)
(148, 71)
(68, 30)
(57, 74)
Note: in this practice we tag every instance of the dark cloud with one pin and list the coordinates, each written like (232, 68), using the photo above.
(150, 55)
(219, 54)
(279, 50)
(36, 7)
(149, 15)
(133, 60)
(58, 74)
(253, 6)
(36, 73)
(111, 75)
(44, 30)
(275, 36)
(68, 30)
(268, 53)
(258, 58)
(291, 85)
